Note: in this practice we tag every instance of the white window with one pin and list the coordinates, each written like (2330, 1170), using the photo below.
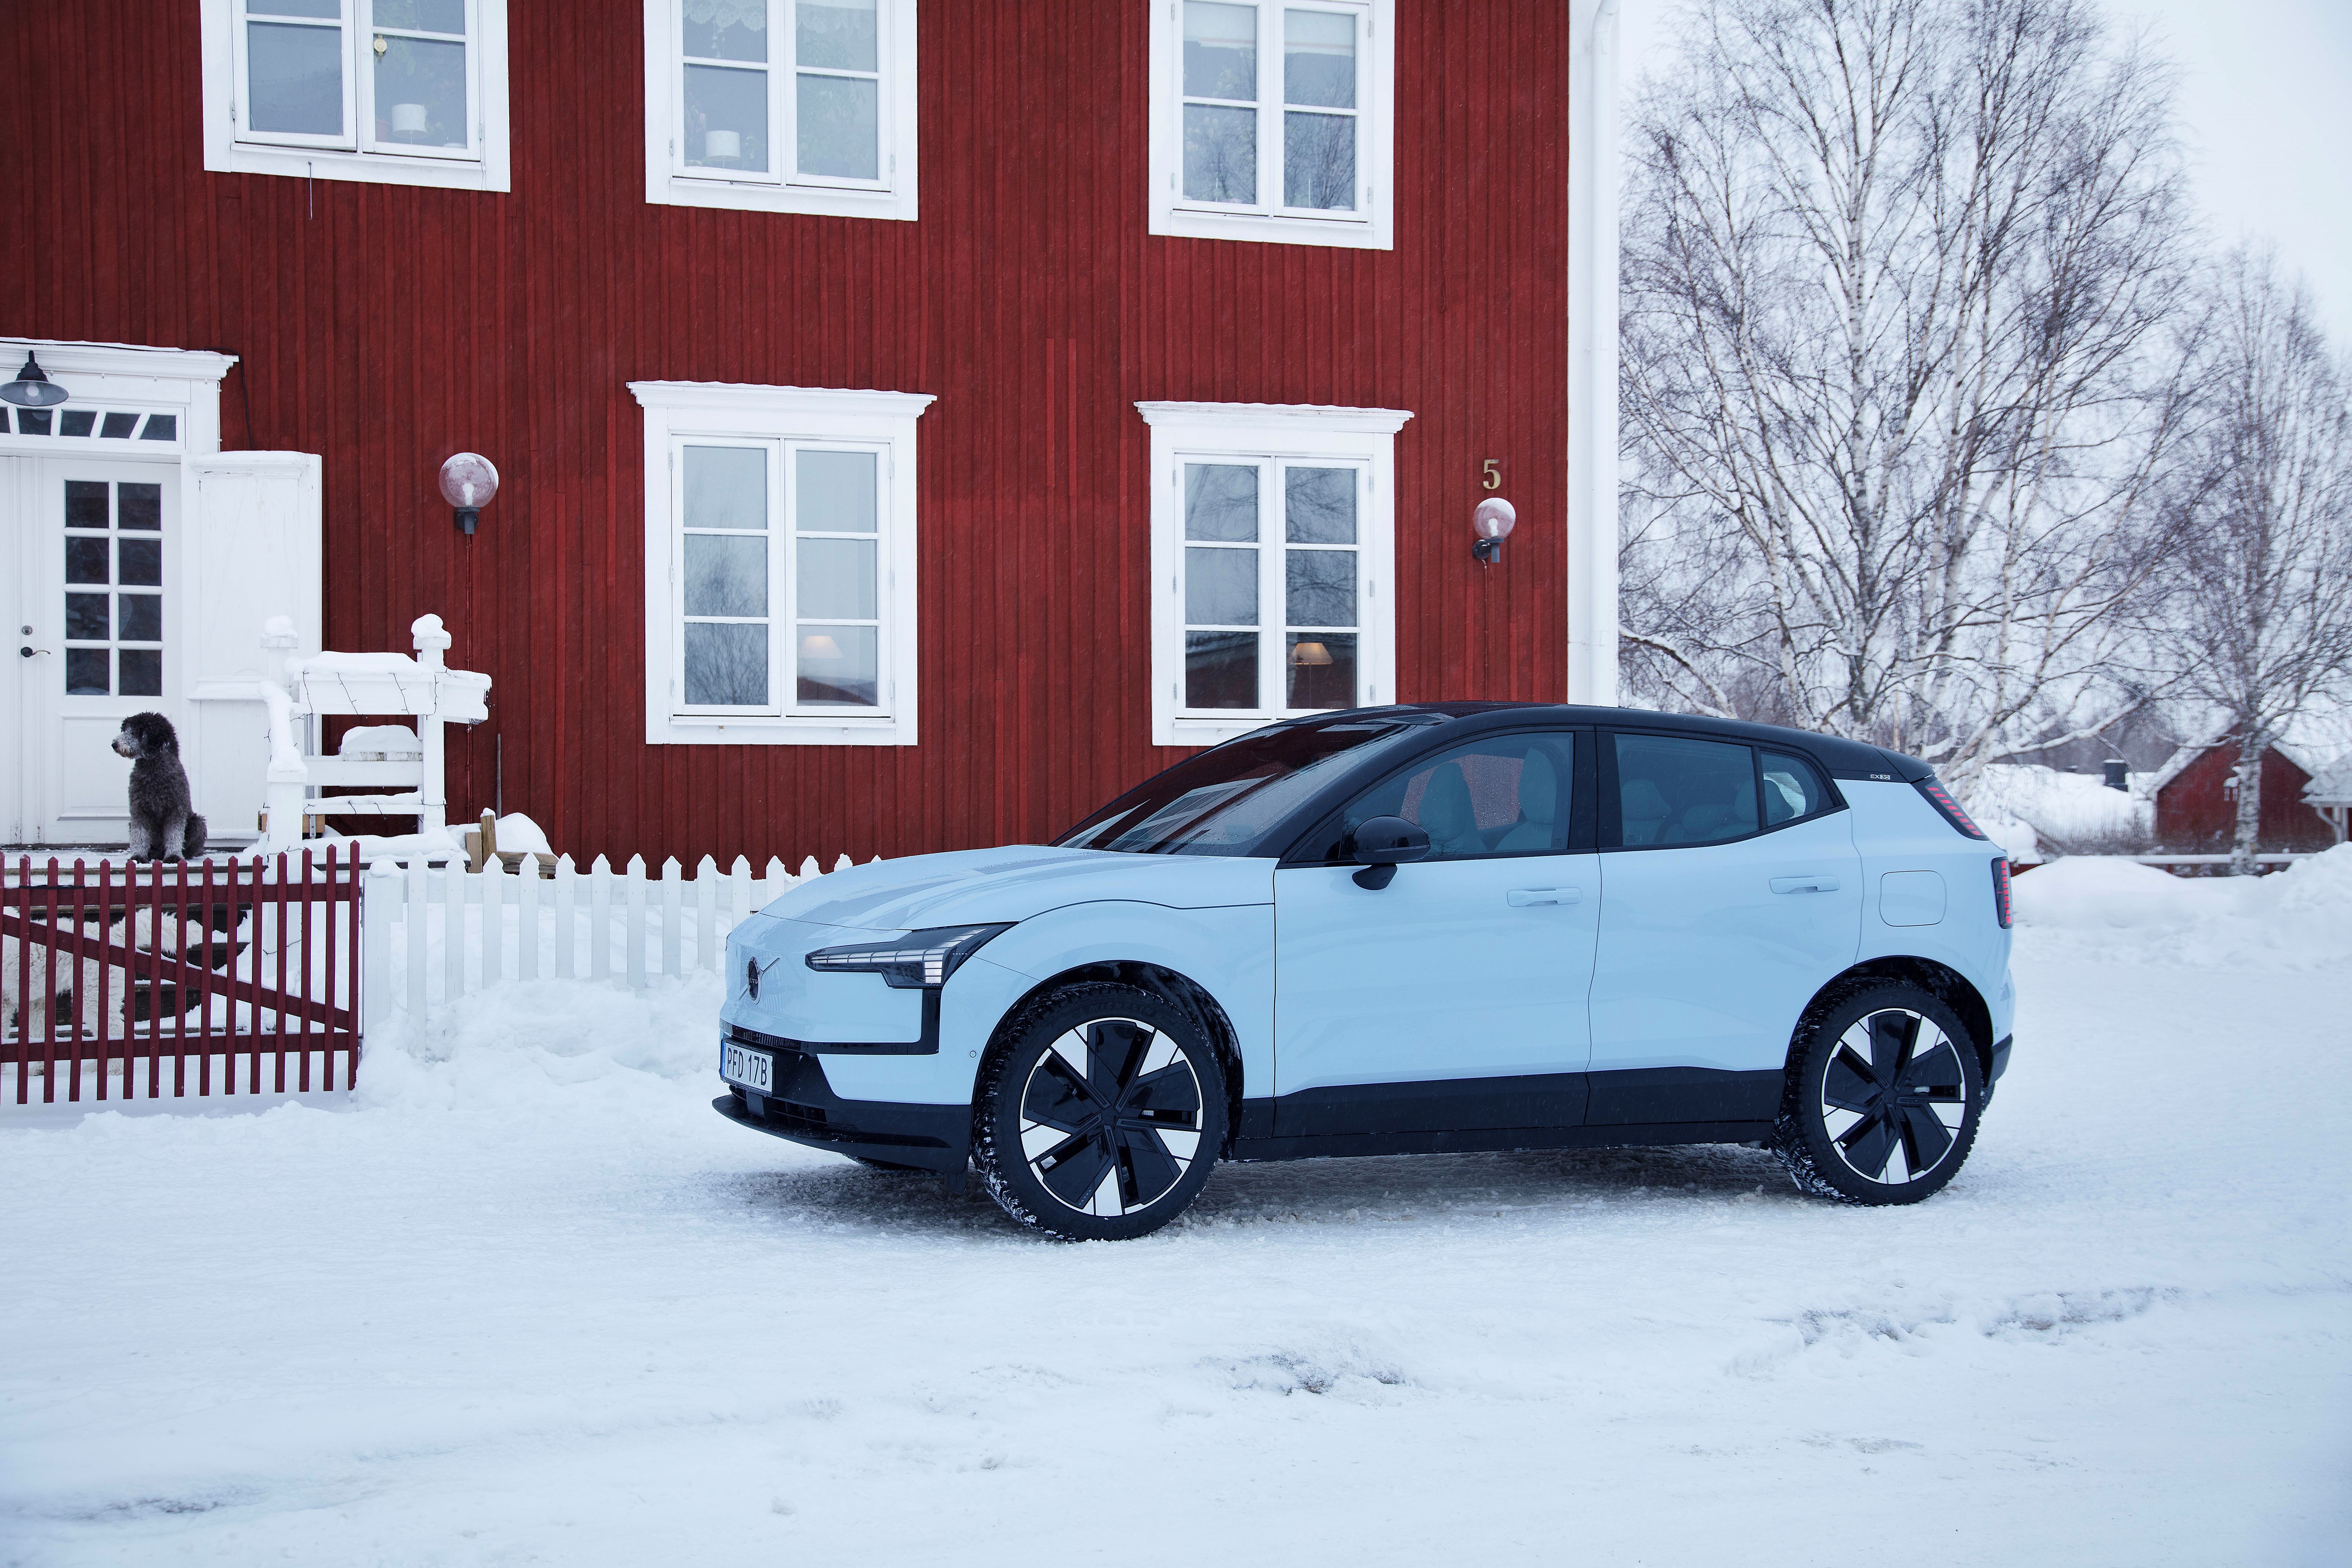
(799, 106)
(1273, 550)
(1274, 121)
(391, 91)
(780, 565)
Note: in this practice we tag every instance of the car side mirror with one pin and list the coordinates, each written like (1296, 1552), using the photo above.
(1380, 844)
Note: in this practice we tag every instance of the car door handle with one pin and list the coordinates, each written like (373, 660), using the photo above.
(1519, 898)
(1804, 884)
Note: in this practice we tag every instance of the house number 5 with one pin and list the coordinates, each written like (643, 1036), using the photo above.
(1493, 468)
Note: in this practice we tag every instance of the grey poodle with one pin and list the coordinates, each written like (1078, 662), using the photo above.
(163, 821)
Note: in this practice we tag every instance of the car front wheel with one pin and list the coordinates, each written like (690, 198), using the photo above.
(1884, 1091)
(1101, 1117)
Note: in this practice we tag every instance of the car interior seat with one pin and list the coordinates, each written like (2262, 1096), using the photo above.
(1447, 815)
(1645, 808)
(1708, 821)
(1539, 803)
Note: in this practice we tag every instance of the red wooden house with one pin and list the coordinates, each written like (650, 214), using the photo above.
(918, 419)
(2195, 796)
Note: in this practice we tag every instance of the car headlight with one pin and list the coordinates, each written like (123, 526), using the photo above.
(919, 960)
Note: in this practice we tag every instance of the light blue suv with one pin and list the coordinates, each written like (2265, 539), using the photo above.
(1427, 929)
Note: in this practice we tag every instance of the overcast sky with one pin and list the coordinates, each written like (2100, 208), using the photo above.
(2265, 100)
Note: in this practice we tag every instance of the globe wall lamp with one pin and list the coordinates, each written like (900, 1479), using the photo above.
(32, 388)
(1492, 522)
(469, 480)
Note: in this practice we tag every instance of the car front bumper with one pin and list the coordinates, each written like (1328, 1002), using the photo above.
(802, 1108)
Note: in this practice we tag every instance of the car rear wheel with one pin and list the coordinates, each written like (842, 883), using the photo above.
(1101, 1117)
(1884, 1096)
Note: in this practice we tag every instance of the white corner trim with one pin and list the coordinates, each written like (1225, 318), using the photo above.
(675, 409)
(1591, 586)
(1171, 212)
(225, 155)
(894, 197)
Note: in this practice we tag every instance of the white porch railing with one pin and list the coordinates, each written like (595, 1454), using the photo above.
(433, 934)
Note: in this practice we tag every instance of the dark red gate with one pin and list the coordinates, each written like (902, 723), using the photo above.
(108, 968)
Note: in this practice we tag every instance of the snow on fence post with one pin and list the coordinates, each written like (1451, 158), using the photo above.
(808, 868)
(567, 918)
(671, 918)
(413, 919)
(634, 936)
(527, 923)
(599, 908)
(380, 891)
(494, 920)
(706, 912)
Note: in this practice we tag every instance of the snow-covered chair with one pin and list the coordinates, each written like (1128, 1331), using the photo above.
(403, 769)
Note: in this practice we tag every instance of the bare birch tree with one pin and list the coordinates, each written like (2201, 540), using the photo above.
(2258, 591)
(1900, 277)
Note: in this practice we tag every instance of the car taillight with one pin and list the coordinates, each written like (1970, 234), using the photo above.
(2001, 892)
(1941, 799)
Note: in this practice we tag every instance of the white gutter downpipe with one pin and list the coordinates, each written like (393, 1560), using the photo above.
(1592, 353)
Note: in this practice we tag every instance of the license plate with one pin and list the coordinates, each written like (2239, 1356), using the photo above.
(752, 1069)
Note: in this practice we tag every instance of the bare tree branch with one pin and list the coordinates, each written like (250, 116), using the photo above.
(1903, 285)
(2257, 603)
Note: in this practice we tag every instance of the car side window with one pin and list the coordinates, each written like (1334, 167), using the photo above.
(1792, 789)
(1671, 790)
(1508, 795)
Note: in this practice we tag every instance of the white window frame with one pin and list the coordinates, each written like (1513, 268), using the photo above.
(670, 181)
(679, 413)
(231, 149)
(1370, 226)
(1272, 434)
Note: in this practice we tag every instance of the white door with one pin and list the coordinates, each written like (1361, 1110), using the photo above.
(94, 548)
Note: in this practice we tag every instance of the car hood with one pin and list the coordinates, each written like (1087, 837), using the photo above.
(971, 886)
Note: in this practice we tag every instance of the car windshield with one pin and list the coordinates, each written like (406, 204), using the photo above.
(1226, 800)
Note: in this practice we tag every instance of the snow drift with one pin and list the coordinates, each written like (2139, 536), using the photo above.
(2103, 908)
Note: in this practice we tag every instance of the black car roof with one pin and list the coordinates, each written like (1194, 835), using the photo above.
(1840, 757)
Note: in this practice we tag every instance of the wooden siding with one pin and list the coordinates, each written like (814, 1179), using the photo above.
(387, 327)
(2197, 809)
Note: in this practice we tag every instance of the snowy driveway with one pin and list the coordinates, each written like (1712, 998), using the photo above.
(535, 1303)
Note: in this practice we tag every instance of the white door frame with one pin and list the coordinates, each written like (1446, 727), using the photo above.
(137, 385)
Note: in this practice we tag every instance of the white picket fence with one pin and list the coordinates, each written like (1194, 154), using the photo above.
(433, 934)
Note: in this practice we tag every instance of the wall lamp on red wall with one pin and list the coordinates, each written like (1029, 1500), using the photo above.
(467, 482)
(32, 388)
(1492, 522)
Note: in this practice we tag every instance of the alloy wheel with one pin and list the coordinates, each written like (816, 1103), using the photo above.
(1893, 1097)
(1110, 1116)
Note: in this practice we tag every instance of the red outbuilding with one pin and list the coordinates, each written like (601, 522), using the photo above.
(916, 420)
(2196, 799)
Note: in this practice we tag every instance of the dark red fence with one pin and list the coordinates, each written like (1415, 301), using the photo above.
(108, 972)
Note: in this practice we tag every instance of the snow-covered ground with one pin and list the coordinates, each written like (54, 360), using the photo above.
(526, 1299)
